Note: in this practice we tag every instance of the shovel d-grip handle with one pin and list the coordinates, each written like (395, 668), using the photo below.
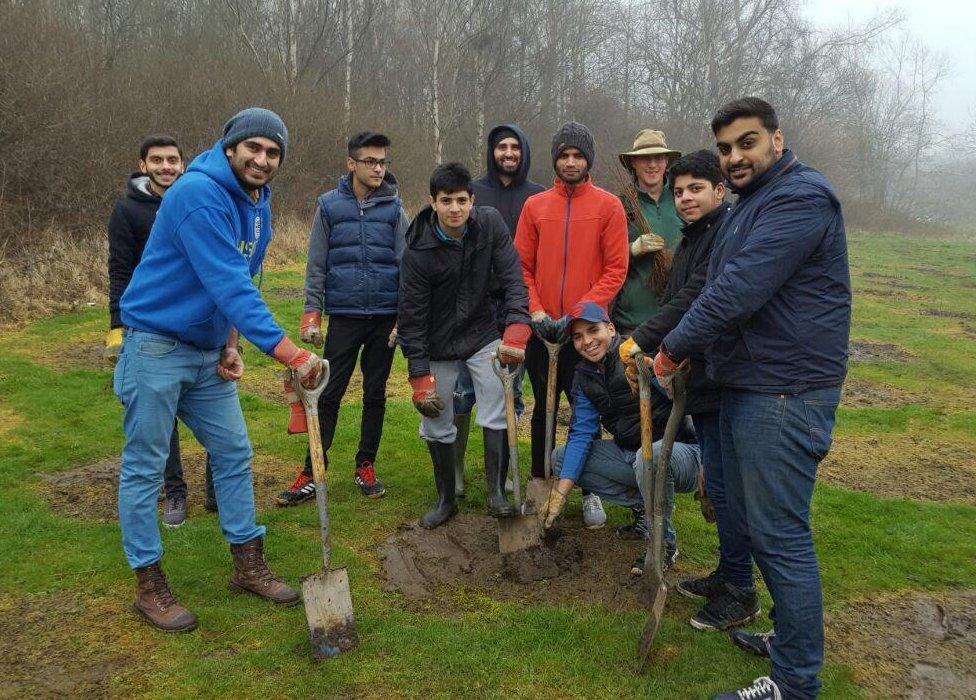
(507, 376)
(310, 400)
(310, 397)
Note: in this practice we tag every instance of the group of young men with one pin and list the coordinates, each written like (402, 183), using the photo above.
(757, 298)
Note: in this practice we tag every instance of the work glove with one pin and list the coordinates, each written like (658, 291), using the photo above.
(548, 328)
(297, 422)
(391, 342)
(665, 367)
(512, 349)
(646, 243)
(630, 372)
(230, 367)
(113, 345)
(425, 398)
(553, 507)
(627, 350)
(311, 329)
(704, 502)
(308, 365)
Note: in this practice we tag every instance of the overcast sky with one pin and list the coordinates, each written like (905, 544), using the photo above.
(948, 26)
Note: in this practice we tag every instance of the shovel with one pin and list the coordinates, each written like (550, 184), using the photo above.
(522, 531)
(328, 605)
(654, 477)
(537, 490)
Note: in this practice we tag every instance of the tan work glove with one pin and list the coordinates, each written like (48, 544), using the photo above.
(553, 507)
(113, 345)
(645, 244)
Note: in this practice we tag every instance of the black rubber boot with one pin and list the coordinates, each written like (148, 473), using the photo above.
(496, 468)
(462, 421)
(443, 456)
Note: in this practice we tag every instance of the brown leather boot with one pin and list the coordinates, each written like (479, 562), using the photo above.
(157, 605)
(252, 574)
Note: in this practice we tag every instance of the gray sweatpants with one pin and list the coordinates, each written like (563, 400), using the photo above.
(488, 391)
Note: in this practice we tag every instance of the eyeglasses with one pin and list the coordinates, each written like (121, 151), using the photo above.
(373, 162)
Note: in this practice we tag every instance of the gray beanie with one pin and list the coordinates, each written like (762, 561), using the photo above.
(255, 121)
(573, 135)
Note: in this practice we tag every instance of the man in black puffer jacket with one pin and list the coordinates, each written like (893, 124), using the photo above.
(160, 163)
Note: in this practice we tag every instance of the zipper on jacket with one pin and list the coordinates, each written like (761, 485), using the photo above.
(362, 245)
(562, 284)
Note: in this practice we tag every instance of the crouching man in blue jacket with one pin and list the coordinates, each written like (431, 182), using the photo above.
(188, 298)
(773, 321)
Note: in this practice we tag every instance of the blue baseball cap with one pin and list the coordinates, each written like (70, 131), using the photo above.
(589, 311)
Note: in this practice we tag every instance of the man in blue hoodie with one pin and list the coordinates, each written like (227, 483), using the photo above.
(188, 298)
(773, 323)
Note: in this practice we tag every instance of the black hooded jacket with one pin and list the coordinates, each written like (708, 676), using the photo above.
(443, 311)
(489, 190)
(685, 281)
(128, 229)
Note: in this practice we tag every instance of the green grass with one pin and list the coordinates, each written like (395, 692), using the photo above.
(61, 418)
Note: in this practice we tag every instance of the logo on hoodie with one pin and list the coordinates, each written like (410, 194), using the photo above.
(247, 247)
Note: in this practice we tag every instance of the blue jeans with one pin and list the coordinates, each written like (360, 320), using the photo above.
(464, 392)
(617, 475)
(771, 445)
(735, 556)
(158, 378)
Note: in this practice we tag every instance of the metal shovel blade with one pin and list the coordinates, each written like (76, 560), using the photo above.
(519, 533)
(537, 491)
(328, 608)
(650, 627)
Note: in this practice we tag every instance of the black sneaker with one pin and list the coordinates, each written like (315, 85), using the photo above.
(757, 643)
(301, 489)
(730, 607)
(761, 689)
(210, 504)
(637, 530)
(637, 568)
(670, 557)
(704, 587)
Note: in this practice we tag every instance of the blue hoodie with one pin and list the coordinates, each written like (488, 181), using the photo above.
(208, 241)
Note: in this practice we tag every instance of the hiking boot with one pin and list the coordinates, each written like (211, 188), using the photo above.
(366, 480)
(637, 568)
(301, 489)
(704, 587)
(443, 456)
(730, 607)
(637, 530)
(756, 642)
(462, 421)
(594, 517)
(761, 689)
(156, 604)
(174, 511)
(496, 467)
(252, 575)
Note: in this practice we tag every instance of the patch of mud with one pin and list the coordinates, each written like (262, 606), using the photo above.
(564, 414)
(60, 646)
(860, 393)
(886, 293)
(90, 492)
(889, 281)
(946, 313)
(265, 384)
(286, 292)
(428, 567)
(903, 466)
(924, 644)
(871, 351)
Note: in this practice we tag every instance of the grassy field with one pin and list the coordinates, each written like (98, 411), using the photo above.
(894, 515)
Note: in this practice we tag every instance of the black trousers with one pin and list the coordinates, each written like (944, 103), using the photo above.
(173, 482)
(347, 339)
(537, 367)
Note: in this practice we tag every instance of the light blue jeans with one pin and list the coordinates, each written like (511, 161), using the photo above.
(158, 378)
(617, 475)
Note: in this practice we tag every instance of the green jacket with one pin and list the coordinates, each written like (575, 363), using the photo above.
(636, 301)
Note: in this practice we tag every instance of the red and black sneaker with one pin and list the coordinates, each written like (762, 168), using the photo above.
(302, 489)
(366, 480)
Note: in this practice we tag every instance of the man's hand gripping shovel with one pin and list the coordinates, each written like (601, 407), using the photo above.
(328, 604)
(523, 531)
(654, 478)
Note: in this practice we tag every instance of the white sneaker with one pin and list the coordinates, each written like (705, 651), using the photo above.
(594, 517)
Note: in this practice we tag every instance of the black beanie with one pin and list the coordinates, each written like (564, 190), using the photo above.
(502, 133)
(573, 135)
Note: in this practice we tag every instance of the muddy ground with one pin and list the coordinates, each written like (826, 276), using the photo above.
(872, 351)
(62, 645)
(903, 466)
(911, 646)
(91, 491)
(861, 393)
(441, 569)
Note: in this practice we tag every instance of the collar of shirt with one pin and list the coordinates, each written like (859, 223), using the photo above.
(447, 239)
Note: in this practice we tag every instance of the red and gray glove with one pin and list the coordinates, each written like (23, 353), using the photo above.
(512, 349)
(310, 330)
(297, 422)
(665, 367)
(425, 397)
(308, 365)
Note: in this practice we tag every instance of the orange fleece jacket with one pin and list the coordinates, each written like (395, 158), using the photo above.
(573, 246)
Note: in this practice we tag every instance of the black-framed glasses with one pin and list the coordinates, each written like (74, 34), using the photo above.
(373, 162)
